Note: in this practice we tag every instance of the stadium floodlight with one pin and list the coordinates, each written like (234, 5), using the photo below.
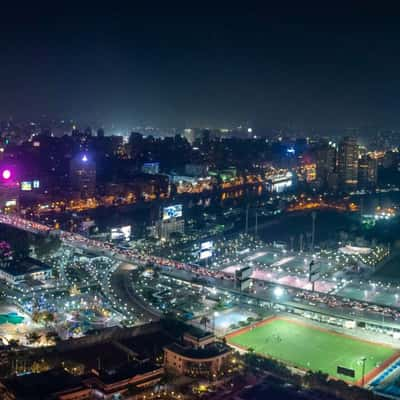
(278, 292)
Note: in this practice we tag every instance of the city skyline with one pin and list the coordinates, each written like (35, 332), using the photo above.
(199, 202)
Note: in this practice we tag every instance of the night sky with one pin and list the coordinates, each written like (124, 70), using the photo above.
(219, 66)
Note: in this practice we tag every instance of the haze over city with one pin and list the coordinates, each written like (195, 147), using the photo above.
(172, 66)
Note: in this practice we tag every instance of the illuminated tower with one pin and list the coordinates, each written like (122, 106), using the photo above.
(325, 162)
(9, 190)
(367, 172)
(82, 175)
(348, 162)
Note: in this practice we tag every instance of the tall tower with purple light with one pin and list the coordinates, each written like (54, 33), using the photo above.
(6, 174)
(82, 175)
(9, 189)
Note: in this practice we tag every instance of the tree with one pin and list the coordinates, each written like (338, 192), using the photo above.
(19, 240)
(315, 378)
(33, 337)
(46, 245)
(13, 343)
(173, 326)
(52, 337)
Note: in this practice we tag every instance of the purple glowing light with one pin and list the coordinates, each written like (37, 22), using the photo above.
(84, 158)
(6, 174)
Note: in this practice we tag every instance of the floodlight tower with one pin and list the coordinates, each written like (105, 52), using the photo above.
(247, 219)
(256, 227)
(301, 243)
(313, 216)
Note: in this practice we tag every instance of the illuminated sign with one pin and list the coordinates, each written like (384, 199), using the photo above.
(26, 186)
(124, 232)
(10, 203)
(206, 245)
(172, 212)
(280, 182)
(151, 168)
(245, 285)
(244, 273)
(205, 254)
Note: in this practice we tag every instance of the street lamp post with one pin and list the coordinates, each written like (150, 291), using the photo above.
(363, 359)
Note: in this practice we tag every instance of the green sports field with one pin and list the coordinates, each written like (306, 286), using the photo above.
(308, 347)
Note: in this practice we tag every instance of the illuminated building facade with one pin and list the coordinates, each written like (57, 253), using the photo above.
(198, 355)
(348, 162)
(280, 182)
(325, 163)
(367, 172)
(83, 175)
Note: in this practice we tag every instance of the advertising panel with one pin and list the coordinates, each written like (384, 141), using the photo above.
(123, 232)
(205, 254)
(171, 212)
(206, 245)
(244, 273)
(244, 285)
(26, 186)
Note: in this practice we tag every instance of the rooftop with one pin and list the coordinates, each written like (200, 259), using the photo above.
(212, 350)
(197, 332)
(27, 265)
(106, 354)
(43, 384)
(126, 371)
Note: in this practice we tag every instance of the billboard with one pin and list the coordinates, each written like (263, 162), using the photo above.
(280, 182)
(171, 212)
(206, 245)
(10, 203)
(151, 168)
(346, 371)
(244, 285)
(205, 254)
(26, 186)
(123, 232)
(244, 273)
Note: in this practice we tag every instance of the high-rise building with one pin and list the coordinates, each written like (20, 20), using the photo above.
(348, 162)
(83, 175)
(367, 172)
(325, 159)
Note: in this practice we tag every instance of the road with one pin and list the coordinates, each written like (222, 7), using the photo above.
(182, 270)
(123, 288)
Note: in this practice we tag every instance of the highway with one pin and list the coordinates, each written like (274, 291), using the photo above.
(183, 271)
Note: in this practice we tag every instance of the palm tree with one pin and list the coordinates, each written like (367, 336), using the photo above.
(33, 337)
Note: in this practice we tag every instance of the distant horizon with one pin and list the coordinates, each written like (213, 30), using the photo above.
(309, 67)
